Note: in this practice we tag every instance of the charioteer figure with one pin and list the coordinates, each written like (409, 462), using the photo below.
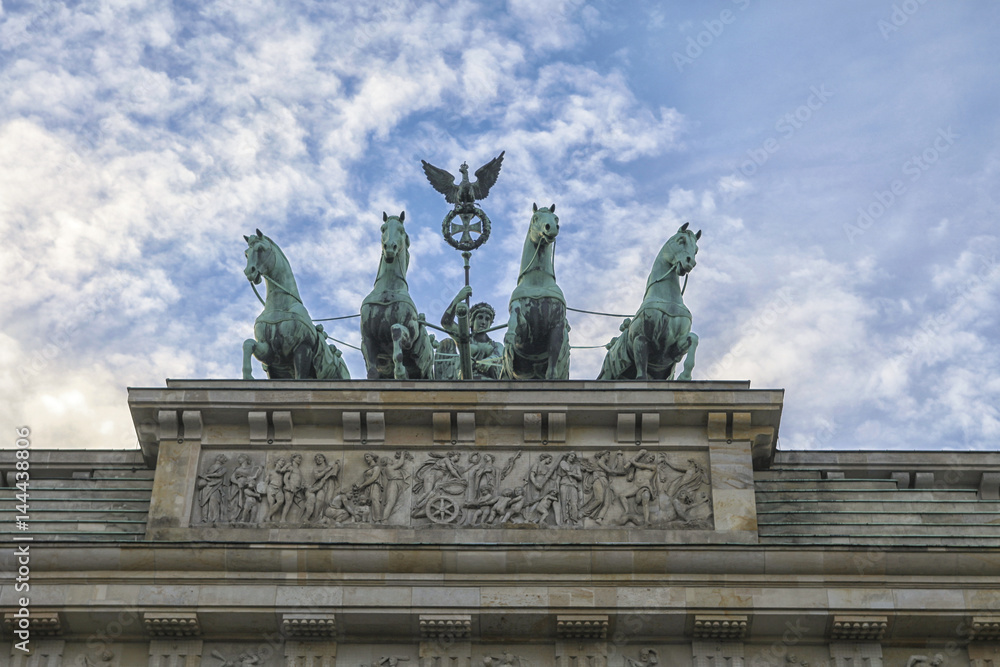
(486, 353)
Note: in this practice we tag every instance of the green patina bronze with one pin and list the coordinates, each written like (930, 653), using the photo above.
(654, 341)
(287, 344)
(470, 338)
(536, 345)
(394, 341)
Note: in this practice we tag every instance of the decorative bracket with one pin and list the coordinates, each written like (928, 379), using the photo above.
(172, 624)
(582, 627)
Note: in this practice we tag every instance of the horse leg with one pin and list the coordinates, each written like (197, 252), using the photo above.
(302, 361)
(401, 342)
(640, 353)
(248, 350)
(558, 362)
(369, 350)
(258, 349)
(692, 345)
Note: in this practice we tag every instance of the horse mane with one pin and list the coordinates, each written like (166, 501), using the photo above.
(281, 253)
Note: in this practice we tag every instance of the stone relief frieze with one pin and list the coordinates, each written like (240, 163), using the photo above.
(386, 661)
(505, 659)
(456, 488)
(647, 658)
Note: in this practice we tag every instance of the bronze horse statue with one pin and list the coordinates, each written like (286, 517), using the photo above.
(286, 342)
(659, 335)
(394, 340)
(536, 345)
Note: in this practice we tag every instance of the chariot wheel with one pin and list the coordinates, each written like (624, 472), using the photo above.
(442, 509)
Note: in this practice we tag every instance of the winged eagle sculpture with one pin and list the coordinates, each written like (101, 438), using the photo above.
(465, 194)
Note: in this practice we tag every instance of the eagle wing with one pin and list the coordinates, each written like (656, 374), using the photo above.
(486, 177)
(442, 181)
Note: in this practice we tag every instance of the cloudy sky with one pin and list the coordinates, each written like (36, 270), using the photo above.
(841, 158)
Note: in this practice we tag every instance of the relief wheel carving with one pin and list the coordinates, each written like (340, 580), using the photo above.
(442, 509)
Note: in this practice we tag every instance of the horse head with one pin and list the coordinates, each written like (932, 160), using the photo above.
(544, 225)
(260, 257)
(683, 246)
(395, 240)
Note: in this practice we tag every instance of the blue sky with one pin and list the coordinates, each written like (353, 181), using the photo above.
(842, 160)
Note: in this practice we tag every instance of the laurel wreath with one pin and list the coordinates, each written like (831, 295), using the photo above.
(475, 243)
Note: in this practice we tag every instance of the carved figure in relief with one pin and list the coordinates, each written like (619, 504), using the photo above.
(371, 490)
(916, 660)
(597, 484)
(326, 478)
(439, 472)
(245, 659)
(505, 659)
(293, 486)
(394, 471)
(693, 506)
(643, 473)
(481, 476)
(507, 506)
(212, 491)
(387, 661)
(647, 657)
(274, 485)
(341, 509)
(694, 475)
(541, 484)
(243, 494)
(570, 481)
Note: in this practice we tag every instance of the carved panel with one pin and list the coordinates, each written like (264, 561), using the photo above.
(984, 655)
(168, 653)
(644, 488)
(44, 653)
(717, 654)
(856, 654)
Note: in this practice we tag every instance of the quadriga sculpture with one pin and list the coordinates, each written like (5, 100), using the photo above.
(659, 335)
(536, 345)
(286, 342)
(393, 338)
